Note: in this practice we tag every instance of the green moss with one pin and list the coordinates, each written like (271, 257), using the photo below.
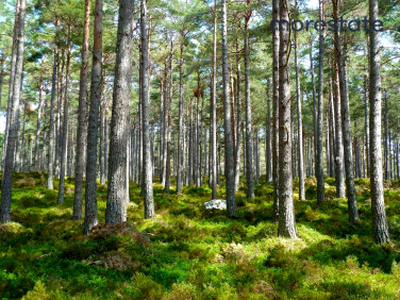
(186, 252)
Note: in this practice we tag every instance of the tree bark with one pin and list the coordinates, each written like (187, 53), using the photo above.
(81, 133)
(345, 110)
(181, 137)
(275, 106)
(13, 115)
(286, 227)
(319, 169)
(147, 183)
(117, 188)
(91, 218)
(302, 195)
(268, 135)
(379, 223)
(51, 158)
(229, 160)
(64, 135)
(339, 158)
(249, 133)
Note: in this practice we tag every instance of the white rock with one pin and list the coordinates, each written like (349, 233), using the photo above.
(215, 204)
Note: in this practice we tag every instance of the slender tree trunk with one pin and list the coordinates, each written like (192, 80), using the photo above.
(287, 227)
(213, 136)
(268, 135)
(379, 223)
(238, 119)
(275, 106)
(50, 163)
(302, 195)
(117, 188)
(38, 123)
(249, 133)
(366, 123)
(345, 110)
(181, 137)
(81, 133)
(147, 168)
(319, 134)
(91, 218)
(13, 115)
(64, 138)
(339, 156)
(386, 150)
(229, 160)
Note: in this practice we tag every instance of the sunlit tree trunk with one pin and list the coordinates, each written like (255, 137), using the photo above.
(91, 218)
(379, 223)
(81, 133)
(64, 135)
(286, 227)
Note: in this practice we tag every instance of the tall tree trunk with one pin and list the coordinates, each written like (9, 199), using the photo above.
(213, 129)
(339, 156)
(268, 135)
(287, 227)
(319, 134)
(275, 106)
(386, 150)
(91, 218)
(345, 110)
(181, 137)
(50, 163)
(229, 160)
(81, 133)
(238, 119)
(302, 195)
(13, 115)
(249, 134)
(366, 123)
(116, 197)
(379, 223)
(147, 183)
(38, 123)
(64, 137)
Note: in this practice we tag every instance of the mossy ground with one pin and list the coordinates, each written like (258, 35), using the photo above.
(189, 253)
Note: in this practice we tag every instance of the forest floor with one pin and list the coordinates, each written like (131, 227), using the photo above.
(186, 252)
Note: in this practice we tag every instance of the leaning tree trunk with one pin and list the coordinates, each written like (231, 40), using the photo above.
(13, 115)
(91, 218)
(229, 158)
(116, 197)
(379, 223)
(81, 133)
(147, 183)
(275, 107)
(286, 227)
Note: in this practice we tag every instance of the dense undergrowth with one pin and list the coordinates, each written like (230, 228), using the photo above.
(186, 252)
